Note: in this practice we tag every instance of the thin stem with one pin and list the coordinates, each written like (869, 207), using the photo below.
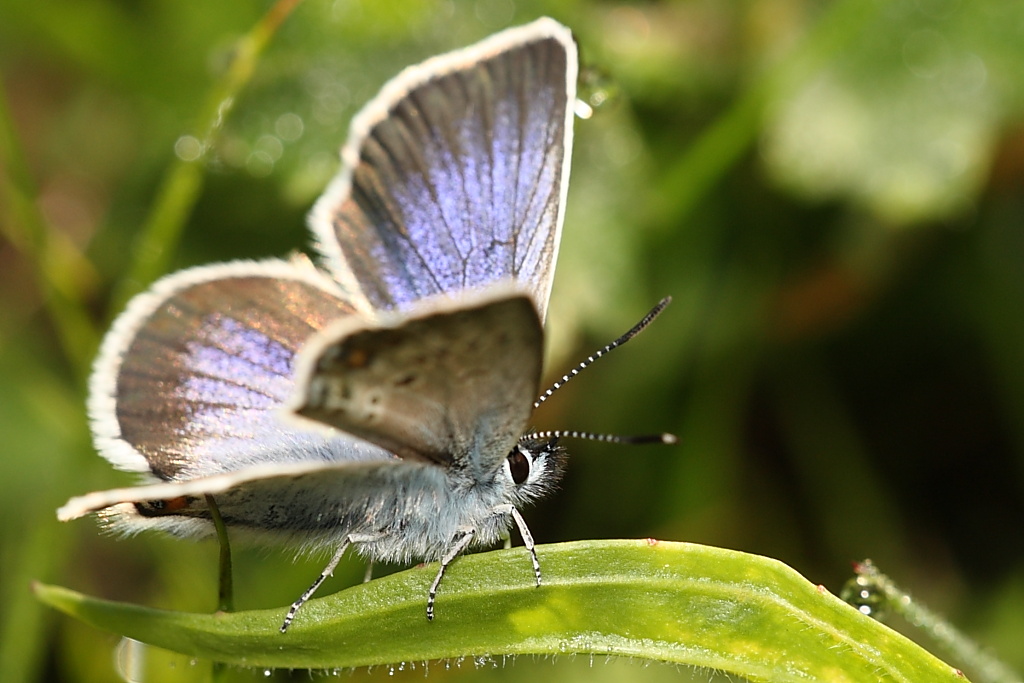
(226, 583)
(872, 591)
(183, 182)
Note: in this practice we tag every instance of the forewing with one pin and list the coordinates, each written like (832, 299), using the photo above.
(455, 176)
(192, 377)
(453, 383)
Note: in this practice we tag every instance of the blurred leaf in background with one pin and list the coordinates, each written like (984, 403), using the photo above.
(831, 192)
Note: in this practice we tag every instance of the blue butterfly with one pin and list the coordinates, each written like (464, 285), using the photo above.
(381, 400)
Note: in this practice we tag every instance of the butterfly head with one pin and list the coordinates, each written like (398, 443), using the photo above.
(533, 468)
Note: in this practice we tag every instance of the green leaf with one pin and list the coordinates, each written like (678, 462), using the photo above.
(673, 602)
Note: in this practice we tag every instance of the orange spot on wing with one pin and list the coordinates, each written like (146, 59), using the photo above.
(176, 504)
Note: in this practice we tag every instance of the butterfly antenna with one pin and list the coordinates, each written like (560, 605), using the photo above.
(635, 330)
(606, 438)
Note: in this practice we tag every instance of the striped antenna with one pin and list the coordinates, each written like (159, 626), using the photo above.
(606, 438)
(635, 330)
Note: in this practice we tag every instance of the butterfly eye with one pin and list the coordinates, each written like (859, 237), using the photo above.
(518, 466)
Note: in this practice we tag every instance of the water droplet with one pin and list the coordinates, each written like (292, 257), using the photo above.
(582, 109)
(259, 164)
(222, 110)
(188, 148)
(865, 596)
(926, 53)
(130, 660)
(289, 127)
(270, 144)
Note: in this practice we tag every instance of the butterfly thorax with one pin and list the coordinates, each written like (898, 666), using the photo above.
(443, 505)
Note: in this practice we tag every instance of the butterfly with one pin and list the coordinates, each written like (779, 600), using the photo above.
(378, 399)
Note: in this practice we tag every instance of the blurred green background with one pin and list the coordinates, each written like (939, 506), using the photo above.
(831, 192)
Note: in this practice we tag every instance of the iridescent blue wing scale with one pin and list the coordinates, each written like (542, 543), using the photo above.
(455, 176)
(192, 378)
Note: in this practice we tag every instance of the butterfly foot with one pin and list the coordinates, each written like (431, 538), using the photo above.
(461, 543)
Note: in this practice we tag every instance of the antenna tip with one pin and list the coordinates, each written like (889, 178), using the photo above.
(669, 439)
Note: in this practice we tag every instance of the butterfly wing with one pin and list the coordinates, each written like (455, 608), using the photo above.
(208, 357)
(455, 176)
(192, 377)
(454, 180)
(310, 505)
(453, 383)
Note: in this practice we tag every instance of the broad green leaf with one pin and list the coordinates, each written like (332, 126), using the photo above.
(906, 121)
(674, 602)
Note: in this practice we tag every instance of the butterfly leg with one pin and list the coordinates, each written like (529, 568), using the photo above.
(461, 543)
(524, 531)
(328, 571)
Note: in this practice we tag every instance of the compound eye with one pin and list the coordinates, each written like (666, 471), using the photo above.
(518, 466)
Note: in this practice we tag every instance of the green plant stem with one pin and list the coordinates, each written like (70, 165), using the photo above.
(183, 182)
(989, 668)
(225, 583)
